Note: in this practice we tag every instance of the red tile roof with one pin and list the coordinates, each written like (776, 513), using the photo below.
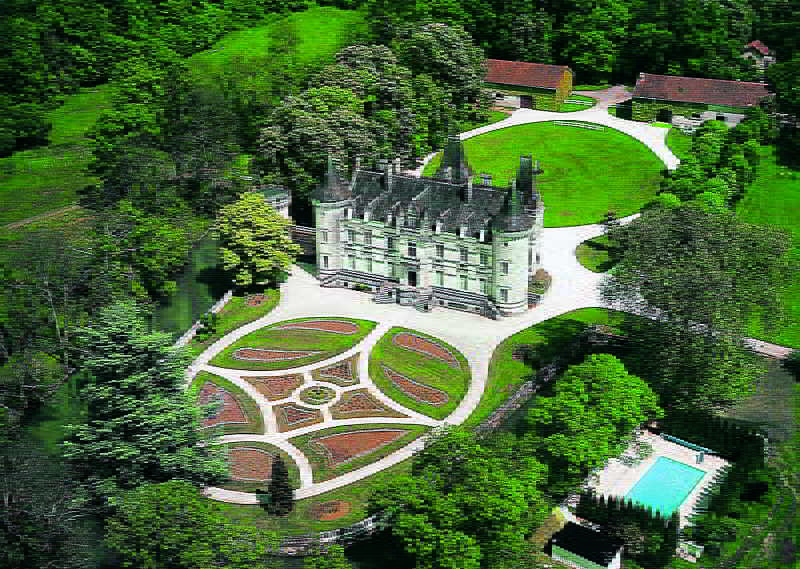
(762, 49)
(524, 74)
(695, 90)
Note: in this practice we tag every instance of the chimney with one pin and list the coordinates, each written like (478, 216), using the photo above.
(389, 219)
(469, 189)
(438, 228)
(482, 236)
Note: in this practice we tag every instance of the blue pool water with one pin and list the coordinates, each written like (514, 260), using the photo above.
(665, 485)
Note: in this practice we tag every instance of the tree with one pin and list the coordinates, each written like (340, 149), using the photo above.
(784, 82)
(141, 426)
(590, 417)
(704, 274)
(281, 495)
(466, 503)
(172, 525)
(332, 559)
(592, 36)
(254, 240)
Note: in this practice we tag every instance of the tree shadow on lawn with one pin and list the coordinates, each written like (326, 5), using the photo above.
(614, 254)
(216, 279)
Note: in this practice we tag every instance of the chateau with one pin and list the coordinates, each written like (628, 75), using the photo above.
(431, 242)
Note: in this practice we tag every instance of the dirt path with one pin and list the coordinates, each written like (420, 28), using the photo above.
(53, 213)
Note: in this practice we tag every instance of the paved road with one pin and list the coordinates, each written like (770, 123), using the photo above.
(653, 137)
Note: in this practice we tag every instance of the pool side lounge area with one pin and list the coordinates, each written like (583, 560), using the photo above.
(618, 479)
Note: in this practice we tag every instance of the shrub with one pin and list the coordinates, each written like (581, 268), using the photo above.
(540, 282)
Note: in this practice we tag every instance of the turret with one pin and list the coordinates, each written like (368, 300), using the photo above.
(334, 188)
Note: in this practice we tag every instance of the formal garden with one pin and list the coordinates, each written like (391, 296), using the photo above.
(627, 170)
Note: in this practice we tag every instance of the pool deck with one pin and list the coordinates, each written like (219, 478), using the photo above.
(617, 479)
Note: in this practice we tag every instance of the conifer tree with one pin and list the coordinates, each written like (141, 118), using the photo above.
(280, 490)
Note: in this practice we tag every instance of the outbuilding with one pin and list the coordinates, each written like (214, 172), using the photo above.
(584, 548)
(519, 84)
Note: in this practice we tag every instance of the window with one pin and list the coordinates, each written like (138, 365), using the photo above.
(351, 236)
(483, 285)
(484, 258)
(412, 249)
(464, 255)
(464, 282)
(504, 267)
(390, 243)
(538, 258)
(392, 270)
(324, 235)
(504, 294)
(440, 251)
(440, 278)
(368, 238)
(369, 265)
(351, 259)
(324, 261)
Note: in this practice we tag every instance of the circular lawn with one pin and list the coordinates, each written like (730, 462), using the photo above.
(586, 172)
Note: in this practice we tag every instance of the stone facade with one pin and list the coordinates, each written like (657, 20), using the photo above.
(444, 240)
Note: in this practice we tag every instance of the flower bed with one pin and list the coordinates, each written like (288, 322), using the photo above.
(317, 395)
(274, 388)
(417, 391)
(229, 412)
(250, 464)
(361, 403)
(291, 416)
(340, 448)
(328, 511)
(261, 355)
(426, 347)
(335, 326)
(341, 373)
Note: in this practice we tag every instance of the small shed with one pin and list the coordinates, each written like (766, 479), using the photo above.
(528, 85)
(760, 54)
(584, 548)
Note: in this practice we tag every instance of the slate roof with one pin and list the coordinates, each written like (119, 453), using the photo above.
(589, 544)
(758, 46)
(696, 90)
(524, 74)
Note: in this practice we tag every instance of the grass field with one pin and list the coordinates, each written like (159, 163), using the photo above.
(494, 116)
(43, 179)
(597, 255)
(234, 315)
(679, 143)
(319, 461)
(328, 343)
(586, 172)
(250, 407)
(426, 370)
(570, 107)
(774, 199)
(243, 486)
(549, 337)
(590, 87)
(301, 521)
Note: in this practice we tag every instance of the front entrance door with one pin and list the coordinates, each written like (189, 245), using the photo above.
(412, 278)
(525, 101)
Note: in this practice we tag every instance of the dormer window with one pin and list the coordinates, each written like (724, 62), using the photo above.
(348, 213)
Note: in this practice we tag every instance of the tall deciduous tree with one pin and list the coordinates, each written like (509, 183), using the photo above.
(332, 559)
(141, 426)
(704, 274)
(254, 240)
(589, 418)
(172, 525)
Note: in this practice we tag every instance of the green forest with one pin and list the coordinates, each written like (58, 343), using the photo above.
(132, 136)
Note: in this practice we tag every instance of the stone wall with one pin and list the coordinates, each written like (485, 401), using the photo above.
(647, 109)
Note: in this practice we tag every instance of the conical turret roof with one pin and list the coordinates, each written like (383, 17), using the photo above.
(512, 216)
(334, 188)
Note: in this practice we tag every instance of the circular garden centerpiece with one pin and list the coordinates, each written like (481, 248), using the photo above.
(317, 395)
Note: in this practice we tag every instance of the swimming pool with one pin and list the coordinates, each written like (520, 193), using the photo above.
(665, 485)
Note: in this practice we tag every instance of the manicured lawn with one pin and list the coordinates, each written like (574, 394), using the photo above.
(679, 143)
(319, 459)
(590, 87)
(774, 199)
(661, 124)
(570, 107)
(301, 520)
(550, 337)
(494, 116)
(422, 369)
(597, 255)
(327, 343)
(586, 172)
(250, 407)
(243, 486)
(234, 315)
